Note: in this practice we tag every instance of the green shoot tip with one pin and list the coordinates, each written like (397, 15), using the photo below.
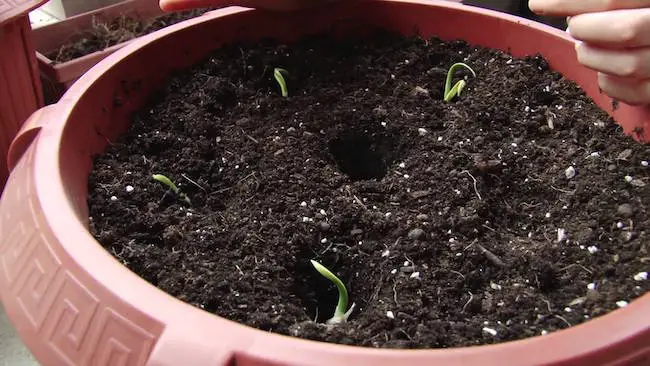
(279, 74)
(168, 182)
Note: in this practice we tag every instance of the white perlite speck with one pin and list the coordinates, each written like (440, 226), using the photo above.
(324, 240)
(390, 315)
(634, 182)
(490, 331)
(422, 131)
(385, 253)
(591, 286)
(592, 249)
(415, 275)
(645, 163)
(561, 235)
(619, 225)
(113, 198)
(303, 204)
(129, 189)
(402, 165)
(641, 276)
(570, 172)
(621, 303)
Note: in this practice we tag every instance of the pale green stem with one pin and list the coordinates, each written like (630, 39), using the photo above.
(279, 74)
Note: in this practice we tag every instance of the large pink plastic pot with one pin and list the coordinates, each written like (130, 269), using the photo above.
(73, 304)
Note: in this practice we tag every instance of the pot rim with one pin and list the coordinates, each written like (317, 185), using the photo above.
(593, 337)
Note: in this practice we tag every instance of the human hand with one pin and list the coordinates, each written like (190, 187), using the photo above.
(613, 39)
(275, 5)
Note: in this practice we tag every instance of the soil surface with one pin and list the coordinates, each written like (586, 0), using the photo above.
(515, 210)
(104, 34)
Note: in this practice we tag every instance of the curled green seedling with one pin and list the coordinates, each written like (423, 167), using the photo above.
(172, 187)
(279, 75)
(457, 89)
(340, 313)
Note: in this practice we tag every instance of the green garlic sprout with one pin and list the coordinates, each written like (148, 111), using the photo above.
(166, 181)
(457, 89)
(279, 75)
(341, 315)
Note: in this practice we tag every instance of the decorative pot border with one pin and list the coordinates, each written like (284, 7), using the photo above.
(73, 303)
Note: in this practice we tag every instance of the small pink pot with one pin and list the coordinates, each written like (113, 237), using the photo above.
(58, 77)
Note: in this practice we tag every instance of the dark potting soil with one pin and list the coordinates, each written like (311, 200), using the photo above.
(104, 34)
(515, 210)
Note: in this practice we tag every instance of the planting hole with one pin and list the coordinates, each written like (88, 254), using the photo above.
(360, 156)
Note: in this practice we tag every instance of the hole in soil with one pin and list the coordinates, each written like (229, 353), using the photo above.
(360, 156)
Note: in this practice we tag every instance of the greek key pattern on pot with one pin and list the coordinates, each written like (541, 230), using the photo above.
(61, 316)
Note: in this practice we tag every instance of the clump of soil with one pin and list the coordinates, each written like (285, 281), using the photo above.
(516, 210)
(104, 34)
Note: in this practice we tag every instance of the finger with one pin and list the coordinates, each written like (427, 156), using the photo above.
(627, 63)
(574, 7)
(628, 90)
(618, 28)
